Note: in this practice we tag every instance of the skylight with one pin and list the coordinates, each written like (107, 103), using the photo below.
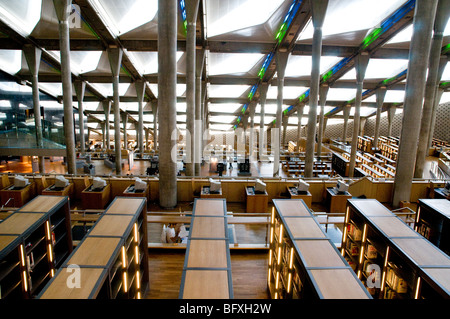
(11, 61)
(301, 65)
(352, 15)
(232, 63)
(379, 69)
(123, 16)
(223, 16)
(227, 90)
(21, 15)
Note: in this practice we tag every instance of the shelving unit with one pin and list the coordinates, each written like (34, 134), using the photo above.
(111, 261)
(303, 261)
(207, 265)
(433, 222)
(391, 259)
(34, 241)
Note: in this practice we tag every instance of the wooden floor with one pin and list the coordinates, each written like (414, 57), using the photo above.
(248, 268)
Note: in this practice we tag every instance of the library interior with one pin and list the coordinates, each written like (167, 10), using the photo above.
(225, 149)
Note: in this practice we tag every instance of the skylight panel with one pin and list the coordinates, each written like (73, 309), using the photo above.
(122, 16)
(289, 92)
(340, 94)
(81, 61)
(301, 65)
(21, 15)
(227, 90)
(223, 16)
(352, 15)
(222, 119)
(147, 62)
(224, 107)
(232, 63)
(11, 61)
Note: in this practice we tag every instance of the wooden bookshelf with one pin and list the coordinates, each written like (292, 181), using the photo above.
(392, 260)
(96, 199)
(433, 222)
(303, 261)
(34, 241)
(207, 265)
(340, 164)
(112, 260)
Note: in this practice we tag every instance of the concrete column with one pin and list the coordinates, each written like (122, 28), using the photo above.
(155, 123)
(33, 57)
(323, 91)
(167, 100)
(362, 125)
(438, 97)
(362, 60)
(63, 9)
(191, 13)
(300, 109)
(80, 87)
(262, 100)
(391, 114)
(107, 109)
(200, 95)
(115, 60)
(147, 132)
(318, 9)
(104, 133)
(140, 91)
(281, 59)
(346, 111)
(431, 86)
(251, 143)
(419, 53)
(285, 124)
(380, 94)
(125, 123)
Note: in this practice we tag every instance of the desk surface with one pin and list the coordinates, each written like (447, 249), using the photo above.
(205, 253)
(208, 227)
(319, 253)
(304, 228)
(111, 225)
(370, 207)
(209, 207)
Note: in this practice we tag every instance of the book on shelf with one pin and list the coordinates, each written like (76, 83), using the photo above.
(354, 232)
(372, 252)
(397, 283)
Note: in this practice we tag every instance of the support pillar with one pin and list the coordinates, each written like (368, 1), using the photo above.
(155, 123)
(191, 13)
(63, 9)
(300, 109)
(80, 87)
(419, 53)
(346, 111)
(167, 100)
(318, 8)
(262, 100)
(380, 94)
(115, 60)
(281, 58)
(125, 123)
(33, 57)
(362, 60)
(323, 91)
(251, 144)
(431, 86)
(285, 124)
(438, 97)
(140, 91)
(107, 109)
(391, 114)
(200, 95)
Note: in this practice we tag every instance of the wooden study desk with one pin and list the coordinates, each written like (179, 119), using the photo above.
(295, 194)
(19, 195)
(131, 192)
(205, 193)
(96, 199)
(337, 202)
(256, 202)
(441, 193)
(59, 191)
